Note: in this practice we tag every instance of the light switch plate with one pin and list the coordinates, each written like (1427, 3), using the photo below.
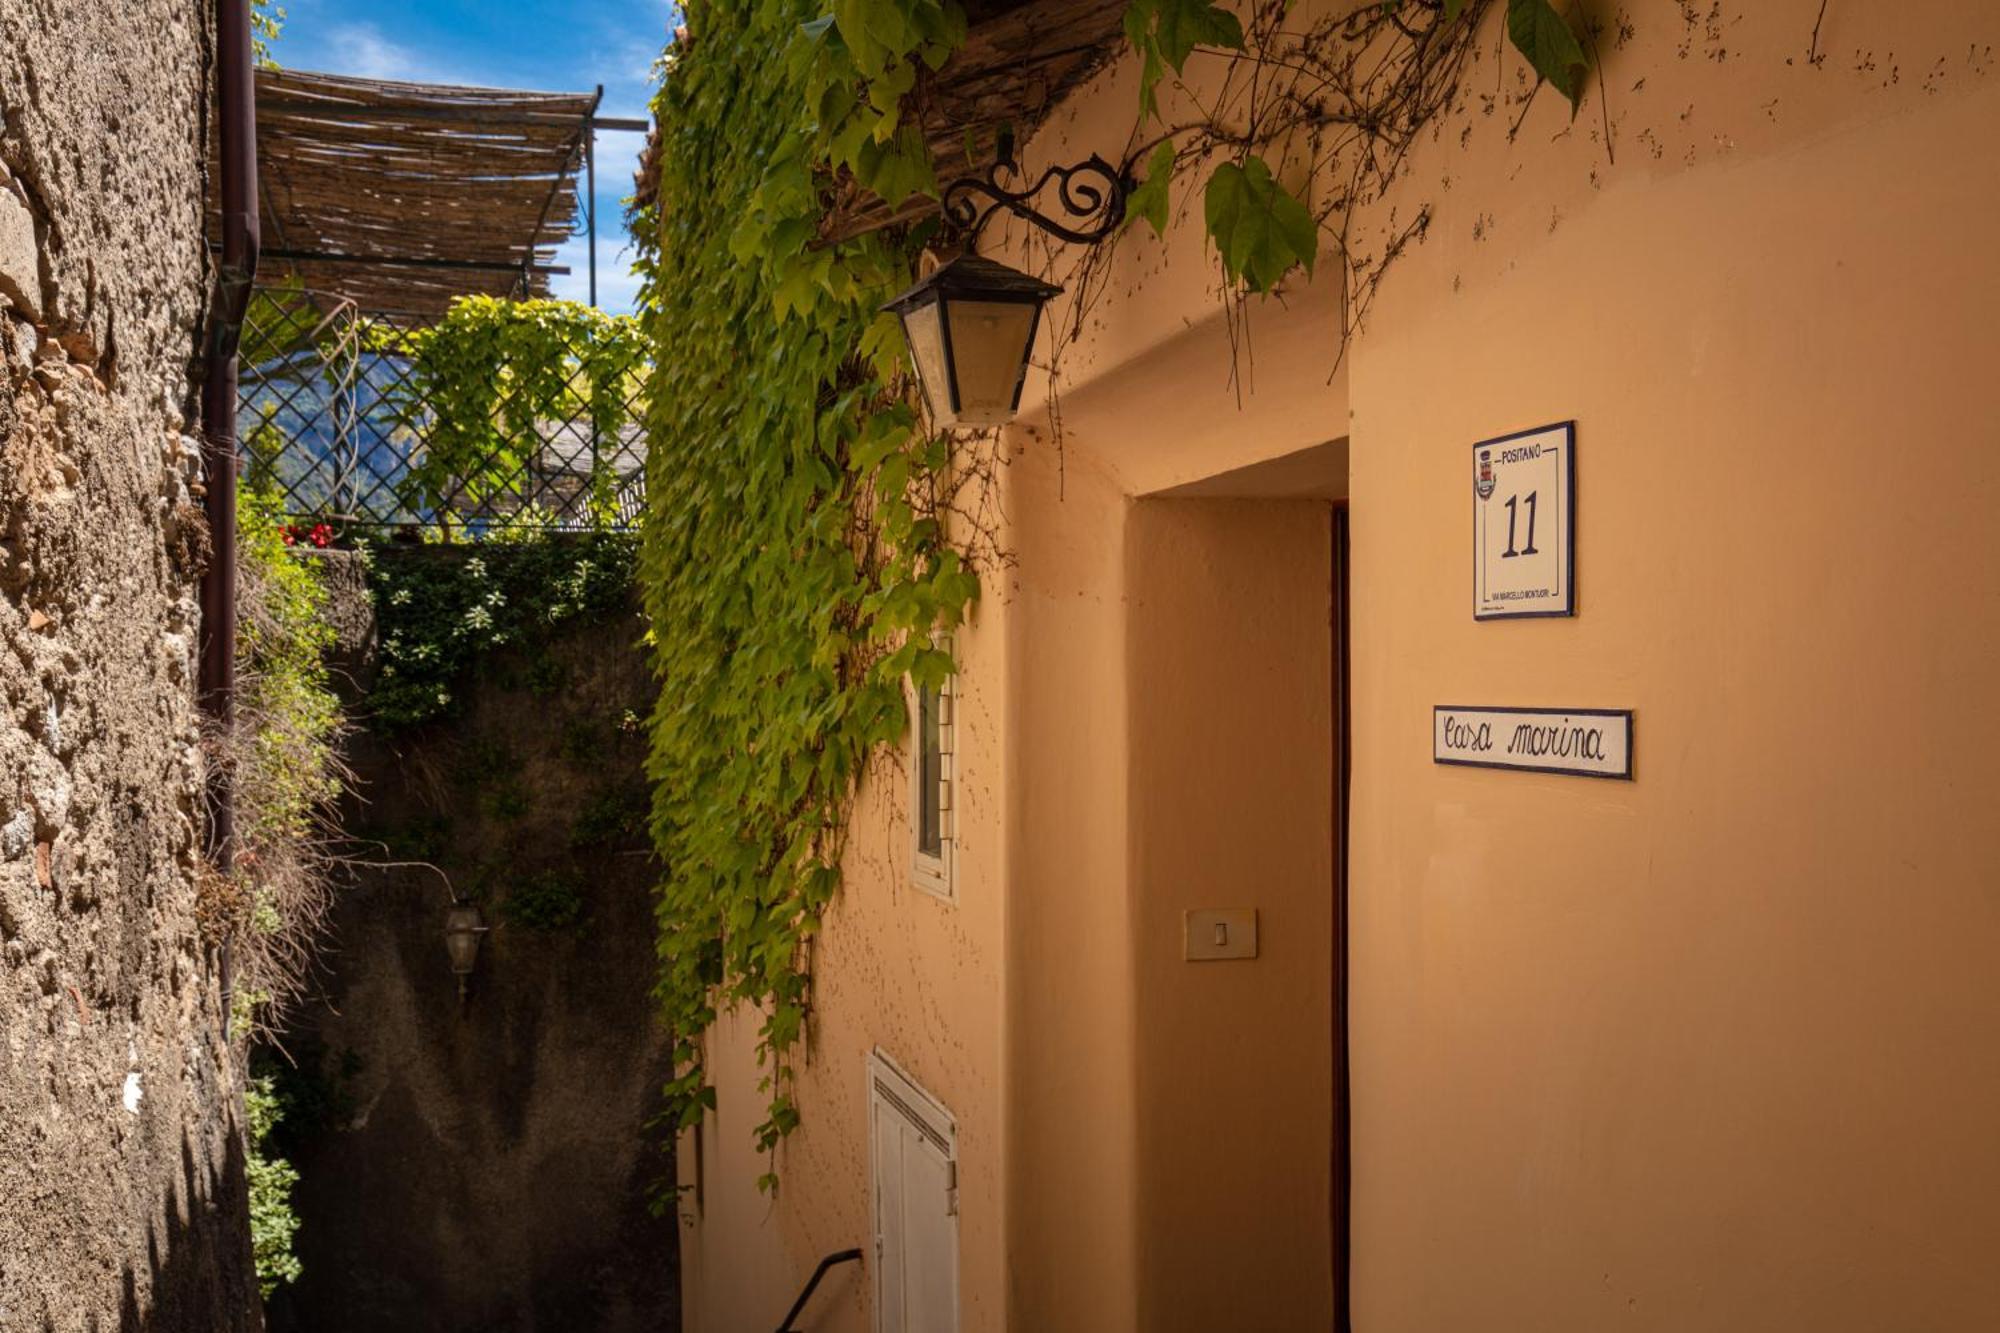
(1217, 933)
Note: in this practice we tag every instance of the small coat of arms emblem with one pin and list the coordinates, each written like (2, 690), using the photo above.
(1485, 481)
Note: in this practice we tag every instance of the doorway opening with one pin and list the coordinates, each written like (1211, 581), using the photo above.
(1237, 642)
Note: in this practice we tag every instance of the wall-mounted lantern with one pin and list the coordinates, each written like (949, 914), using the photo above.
(971, 324)
(462, 931)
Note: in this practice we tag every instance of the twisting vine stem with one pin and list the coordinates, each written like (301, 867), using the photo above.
(1292, 136)
(804, 535)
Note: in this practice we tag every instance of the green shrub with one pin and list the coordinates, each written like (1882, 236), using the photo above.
(614, 815)
(440, 611)
(508, 801)
(584, 742)
(547, 901)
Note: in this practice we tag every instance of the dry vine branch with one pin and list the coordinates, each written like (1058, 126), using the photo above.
(1344, 102)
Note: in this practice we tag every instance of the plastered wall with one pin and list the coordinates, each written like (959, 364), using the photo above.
(1704, 1051)
(1229, 653)
(895, 968)
(1712, 1049)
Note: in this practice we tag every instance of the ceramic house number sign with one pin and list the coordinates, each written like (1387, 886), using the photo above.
(1523, 518)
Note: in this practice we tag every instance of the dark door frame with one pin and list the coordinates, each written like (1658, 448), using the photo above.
(1343, 760)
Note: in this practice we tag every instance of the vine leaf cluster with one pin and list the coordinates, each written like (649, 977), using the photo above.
(804, 535)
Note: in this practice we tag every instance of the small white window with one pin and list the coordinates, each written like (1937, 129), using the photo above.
(913, 1160)
(932, 808)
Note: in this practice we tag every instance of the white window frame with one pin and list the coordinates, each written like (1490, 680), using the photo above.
(935, 875)
(892, 1092)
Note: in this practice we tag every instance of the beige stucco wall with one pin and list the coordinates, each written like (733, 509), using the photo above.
(896, 968)
(1713, 1049)
(1708, 1050)
(1070, 1101)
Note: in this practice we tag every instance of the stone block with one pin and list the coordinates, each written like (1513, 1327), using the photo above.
(20, 262)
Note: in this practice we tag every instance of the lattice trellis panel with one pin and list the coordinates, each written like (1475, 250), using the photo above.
(336, 425)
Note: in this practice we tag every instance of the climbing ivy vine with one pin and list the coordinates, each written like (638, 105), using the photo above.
(799, 542)
(805, 535)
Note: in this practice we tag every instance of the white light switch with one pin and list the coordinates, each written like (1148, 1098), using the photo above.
(1214, 933)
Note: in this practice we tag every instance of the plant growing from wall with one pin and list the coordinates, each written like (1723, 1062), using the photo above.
(283, 757)
(440, 611)
(548, 901)
(273, 1222)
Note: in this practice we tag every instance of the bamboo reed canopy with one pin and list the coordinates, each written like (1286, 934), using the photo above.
(401, 196)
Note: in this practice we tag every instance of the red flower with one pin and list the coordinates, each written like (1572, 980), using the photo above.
(288, 535)
(322, 535)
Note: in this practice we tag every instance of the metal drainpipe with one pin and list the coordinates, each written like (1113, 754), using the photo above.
(237, 122)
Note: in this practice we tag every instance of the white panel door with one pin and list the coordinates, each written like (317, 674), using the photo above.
(916, 1224)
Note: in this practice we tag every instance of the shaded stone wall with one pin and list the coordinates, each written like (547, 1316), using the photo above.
(488, 1165)
(121, 1184)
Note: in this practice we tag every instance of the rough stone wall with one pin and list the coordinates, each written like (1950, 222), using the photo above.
(121, 1184)
(485, 1166)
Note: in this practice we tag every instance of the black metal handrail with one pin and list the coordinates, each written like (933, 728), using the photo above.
(812, 1284)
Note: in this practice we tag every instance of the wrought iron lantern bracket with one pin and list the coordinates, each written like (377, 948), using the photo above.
(1092, 193)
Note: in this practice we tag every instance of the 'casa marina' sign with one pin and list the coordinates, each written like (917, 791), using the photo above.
(1584, 742)
(1523, 519)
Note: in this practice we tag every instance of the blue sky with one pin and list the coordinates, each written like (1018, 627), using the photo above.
(551, 45)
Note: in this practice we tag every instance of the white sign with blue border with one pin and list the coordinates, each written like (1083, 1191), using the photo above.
(1523, 521)
(1583, 742)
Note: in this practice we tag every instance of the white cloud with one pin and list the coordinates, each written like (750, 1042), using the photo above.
(617, 163)
(617, 285)
(362, 50)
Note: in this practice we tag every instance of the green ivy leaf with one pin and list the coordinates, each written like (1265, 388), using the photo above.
(1150, 199)
(898, 169)
(1166, 32)
(886, 93)
(1261, 231)
(1151, 71)
(1542, 35)
(1186, 24)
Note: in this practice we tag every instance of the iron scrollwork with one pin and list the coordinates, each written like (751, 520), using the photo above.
(1092, 192)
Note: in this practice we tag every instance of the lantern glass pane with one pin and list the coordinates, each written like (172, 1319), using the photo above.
(926, 336)
(989, 350)
(461, 937)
